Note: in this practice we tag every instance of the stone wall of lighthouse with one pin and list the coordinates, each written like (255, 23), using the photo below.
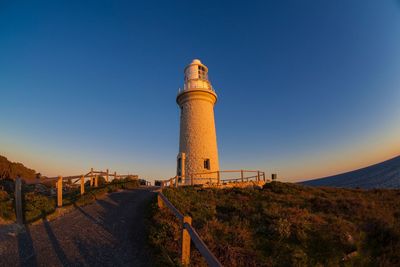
(198, 151)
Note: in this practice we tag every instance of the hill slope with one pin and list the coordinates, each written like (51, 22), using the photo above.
(382, 175)
(283, 225)
(11, 170)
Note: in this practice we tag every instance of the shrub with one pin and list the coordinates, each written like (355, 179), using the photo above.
(4, 196)
(131, 184)
(6, 206)
(7, 185)
(70, 197)
(101, 181)
(85, 199)
(285, 225)
(36, 206)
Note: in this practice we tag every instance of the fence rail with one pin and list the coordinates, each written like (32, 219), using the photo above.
(93, 178)
(93, 173)
(216, 177)
(188, 234)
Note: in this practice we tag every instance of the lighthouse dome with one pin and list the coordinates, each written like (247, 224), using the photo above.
(196, 61)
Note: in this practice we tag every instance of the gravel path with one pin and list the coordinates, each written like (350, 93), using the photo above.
(110, 232)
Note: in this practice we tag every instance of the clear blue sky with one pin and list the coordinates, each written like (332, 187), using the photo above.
(306, 88)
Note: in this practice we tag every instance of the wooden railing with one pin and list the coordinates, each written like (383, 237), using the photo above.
(93, 178)
(93, 175)
(172, 182)
(188, 234)
(216, 177)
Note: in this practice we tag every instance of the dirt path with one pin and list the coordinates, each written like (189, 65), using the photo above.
(110, 232)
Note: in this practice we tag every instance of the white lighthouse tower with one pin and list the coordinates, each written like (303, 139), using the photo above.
(198, 152)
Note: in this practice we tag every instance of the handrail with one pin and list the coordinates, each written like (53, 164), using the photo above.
(191, 178)
(59, 192)
(224, 171)
(201, 246)
(72, 177)
(92, 174)
(239, 179)
(194, 236)
(94, 179)
(245, 178)
(170, 206)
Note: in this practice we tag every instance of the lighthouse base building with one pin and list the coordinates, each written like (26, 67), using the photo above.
(197, 160)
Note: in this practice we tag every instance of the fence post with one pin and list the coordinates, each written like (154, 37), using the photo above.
(96, 181)
(18, 201)
(241, 175)
(218, 178)
(115, 175)
(82, 185)
(107, 176)
(160, 202)
(258, 176)
(264, 176)
(59, 191)
(91, 177)
(186, 241)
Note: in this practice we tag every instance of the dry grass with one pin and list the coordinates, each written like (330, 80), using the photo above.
(285, 225)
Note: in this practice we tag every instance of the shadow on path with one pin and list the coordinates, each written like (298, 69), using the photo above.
(55, 244)
(84, 213)
(110, 232)
(26, 251)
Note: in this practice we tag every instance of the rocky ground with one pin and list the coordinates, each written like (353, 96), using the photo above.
(110, 232)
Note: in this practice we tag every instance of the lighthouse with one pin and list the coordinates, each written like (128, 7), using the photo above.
(197, 160)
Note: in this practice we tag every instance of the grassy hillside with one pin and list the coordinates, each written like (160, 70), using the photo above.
(285, 225)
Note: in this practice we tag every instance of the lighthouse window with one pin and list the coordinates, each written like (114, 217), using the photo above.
(202, 75)
(207, 164)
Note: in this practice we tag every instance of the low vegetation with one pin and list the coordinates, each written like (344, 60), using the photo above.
(284, 225)
(39, 204)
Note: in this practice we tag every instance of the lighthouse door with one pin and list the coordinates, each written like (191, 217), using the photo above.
(179, 169)
(180, 166)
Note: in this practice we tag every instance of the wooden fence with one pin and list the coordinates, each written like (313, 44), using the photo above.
(188, 234)
(93, 177)
(231, 176)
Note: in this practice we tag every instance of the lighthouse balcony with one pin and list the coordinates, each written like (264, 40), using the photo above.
(204, 87)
